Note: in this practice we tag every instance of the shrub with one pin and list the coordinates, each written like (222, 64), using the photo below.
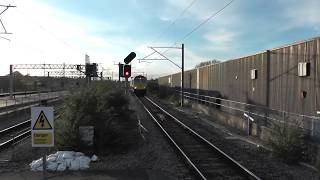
(175, 99)
(153, 86)
(97, 105)
(288, 141)
(165, 92)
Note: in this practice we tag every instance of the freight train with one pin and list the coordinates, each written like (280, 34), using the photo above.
(139, 85)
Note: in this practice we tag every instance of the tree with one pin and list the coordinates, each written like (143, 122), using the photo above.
(214, 61)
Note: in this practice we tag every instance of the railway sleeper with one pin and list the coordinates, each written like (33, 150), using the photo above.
(222, 173)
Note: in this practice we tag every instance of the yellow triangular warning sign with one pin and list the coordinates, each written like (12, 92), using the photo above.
(42, 122)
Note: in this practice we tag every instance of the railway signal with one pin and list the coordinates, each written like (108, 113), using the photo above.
(121, 74)
(129, 58)
(91, 70)
(127, 71)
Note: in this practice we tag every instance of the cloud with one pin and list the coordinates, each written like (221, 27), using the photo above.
(302, 14)
(220, 40)
(166, 18)
(62, 33)
(219, 36)
(51, 35)
(201, 10)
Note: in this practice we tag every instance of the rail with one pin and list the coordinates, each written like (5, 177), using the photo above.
(24, 133)
(212, 146)
(6, 130)
(19, 136)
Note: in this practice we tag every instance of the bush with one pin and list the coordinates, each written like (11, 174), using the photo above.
(153, 86)
(288, 141)
(97, 105)
(165, 92)
(175, 99)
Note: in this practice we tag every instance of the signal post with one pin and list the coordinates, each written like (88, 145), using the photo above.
(125, 69)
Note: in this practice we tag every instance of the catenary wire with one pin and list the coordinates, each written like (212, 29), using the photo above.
(174, 21)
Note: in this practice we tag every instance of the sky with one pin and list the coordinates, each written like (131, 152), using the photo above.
(63, 31)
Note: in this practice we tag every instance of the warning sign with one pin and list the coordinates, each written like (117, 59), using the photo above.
(42, 126)
(42, 138)
(42, 122)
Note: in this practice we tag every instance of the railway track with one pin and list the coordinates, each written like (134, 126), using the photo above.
(16, 133)
(204, 158)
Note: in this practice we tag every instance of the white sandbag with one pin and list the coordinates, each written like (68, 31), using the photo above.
(62, 160)
(79, 154)
(68, 155)
(40, 168)
(35, 164)
(84, 159)
(51, 158)
(62, 152)
(83, 162)
(59, 158)
(68, 162)
(52, 166)
(94, 158)
(75, 165)
(58, 153)
(53, 155)
(62, 167)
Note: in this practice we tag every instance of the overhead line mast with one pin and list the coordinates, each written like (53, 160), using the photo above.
(182, 49)
(6, 7)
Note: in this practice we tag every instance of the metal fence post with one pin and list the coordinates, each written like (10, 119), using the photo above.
(248, 119)
(7, 106)
(312, 127)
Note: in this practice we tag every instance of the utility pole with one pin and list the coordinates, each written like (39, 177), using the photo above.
(11, 81)
(4, 28)
(5, 32)
(119, 72)
(182, 75)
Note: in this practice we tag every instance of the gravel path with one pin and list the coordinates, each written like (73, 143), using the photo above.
(154, 152)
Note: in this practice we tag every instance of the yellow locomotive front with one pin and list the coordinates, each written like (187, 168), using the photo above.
(140, 85)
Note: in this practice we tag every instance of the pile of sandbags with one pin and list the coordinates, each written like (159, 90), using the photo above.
(62, 160)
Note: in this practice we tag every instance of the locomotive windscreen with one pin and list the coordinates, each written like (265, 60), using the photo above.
(140, 79)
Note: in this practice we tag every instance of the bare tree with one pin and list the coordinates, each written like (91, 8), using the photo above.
(214, 61)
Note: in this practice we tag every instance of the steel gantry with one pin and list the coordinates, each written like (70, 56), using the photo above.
(6, 7)
(66, 73)
(80, 69)
(46, 66)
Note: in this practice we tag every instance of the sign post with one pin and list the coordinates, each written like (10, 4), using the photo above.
(42, 130)
(127, 69)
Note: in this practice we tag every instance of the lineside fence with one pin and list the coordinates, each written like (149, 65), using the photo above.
(260, 114)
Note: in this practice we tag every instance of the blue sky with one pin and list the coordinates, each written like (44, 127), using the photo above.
(57, 31)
